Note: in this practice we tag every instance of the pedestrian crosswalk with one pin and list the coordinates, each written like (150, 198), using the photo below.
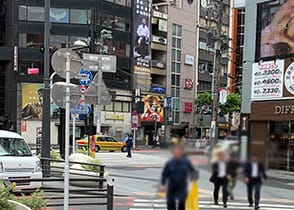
(160, 204)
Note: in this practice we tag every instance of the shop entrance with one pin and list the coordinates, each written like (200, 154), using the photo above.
(281, 145)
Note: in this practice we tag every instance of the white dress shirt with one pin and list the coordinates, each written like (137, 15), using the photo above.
(254, 171)
(221, 169)
(143, 31)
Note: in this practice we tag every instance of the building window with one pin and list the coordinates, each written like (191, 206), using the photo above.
(58, 41)
(120, 49)
(129, 3)
(120, 24)
(80, 16)
(118, 106)
(59, 15)
(22, 12)
(126, 106)
(108, 107)
(121, 2)
(35, 13)
(31, 40)
(25, 65)
(106, 20)
(176, 70)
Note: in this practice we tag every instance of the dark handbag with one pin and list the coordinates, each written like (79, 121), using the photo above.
(213, 178)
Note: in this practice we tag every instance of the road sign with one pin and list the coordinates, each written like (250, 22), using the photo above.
(58, 94)
(107, 63)
(91, 94)
(168, 102)
(135, 119)
(83, 89)
(84, 109)
(59, 65)
(87, 79)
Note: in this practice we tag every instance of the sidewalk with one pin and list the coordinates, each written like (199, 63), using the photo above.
(283, 176)
(190, 150)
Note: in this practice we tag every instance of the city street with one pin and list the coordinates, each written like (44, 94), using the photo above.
(137, 181)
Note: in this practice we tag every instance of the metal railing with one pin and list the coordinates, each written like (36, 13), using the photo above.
(86, 189)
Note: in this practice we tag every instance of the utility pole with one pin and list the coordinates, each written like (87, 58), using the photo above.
(45, 151)
(217, 10)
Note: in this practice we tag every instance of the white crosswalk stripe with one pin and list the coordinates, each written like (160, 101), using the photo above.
(160, 204)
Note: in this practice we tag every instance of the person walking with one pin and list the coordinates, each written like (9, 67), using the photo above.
(175, 176)
(219, 177)
(233, 166)
(253, 174)
(129, 143)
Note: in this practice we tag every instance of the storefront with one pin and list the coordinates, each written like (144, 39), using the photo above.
(272, 133)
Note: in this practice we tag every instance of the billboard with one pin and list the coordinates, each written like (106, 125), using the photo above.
(273, 80)
(153, 108)
(275, 31)
(267, 80)
(142, 37)
(32, 102)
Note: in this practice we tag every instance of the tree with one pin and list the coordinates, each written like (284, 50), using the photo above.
(232, 105)
(203, 99)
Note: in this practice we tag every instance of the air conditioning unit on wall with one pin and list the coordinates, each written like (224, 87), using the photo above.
(160, 40)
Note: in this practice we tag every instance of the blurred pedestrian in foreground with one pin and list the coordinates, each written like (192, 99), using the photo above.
(175, 176)
(253, 174)
(233, 166)
(129, 143)
(219, 177)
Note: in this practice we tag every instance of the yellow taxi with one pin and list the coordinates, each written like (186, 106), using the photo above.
(104, 142)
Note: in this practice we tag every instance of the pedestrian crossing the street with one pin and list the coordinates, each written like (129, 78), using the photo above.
(160, 204)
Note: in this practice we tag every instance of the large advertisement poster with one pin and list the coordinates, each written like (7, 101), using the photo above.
(32, 102)
(142, 36)
(153, 108)
(275, 35)
(267, 80)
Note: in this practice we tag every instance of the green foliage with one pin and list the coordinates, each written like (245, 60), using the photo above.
(232, 105)
(5, 195)
(203, 99)
(36, 201)
(93, 168)
(54, 154)
(82, 151)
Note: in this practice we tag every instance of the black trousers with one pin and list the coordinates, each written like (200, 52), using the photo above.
(254, 184)
(171, 202)
(221, 183)
(129, 150)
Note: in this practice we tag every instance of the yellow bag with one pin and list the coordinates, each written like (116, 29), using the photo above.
(192, 198)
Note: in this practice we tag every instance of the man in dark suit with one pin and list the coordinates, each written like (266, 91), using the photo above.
(220, 173)
(253, 174)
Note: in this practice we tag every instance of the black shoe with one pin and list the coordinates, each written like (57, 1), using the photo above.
(250, 205)
(256, 207)
(225, 206)
(216, 203)
(232, 197)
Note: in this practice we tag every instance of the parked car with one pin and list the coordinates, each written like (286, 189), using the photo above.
(17, 161)
(104, 142)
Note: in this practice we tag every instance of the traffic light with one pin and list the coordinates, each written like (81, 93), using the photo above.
(89, 124)
(140, 107)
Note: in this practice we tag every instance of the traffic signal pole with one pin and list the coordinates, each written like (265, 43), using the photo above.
(46, 143)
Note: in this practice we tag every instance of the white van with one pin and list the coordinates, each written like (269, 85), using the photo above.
(17, 161)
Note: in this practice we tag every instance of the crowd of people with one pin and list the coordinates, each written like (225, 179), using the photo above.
(225, 173)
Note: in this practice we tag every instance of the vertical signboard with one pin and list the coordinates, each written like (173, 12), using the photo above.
(142, 41)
